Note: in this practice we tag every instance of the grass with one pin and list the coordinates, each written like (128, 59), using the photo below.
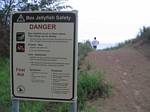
(63, 107)
(5, 99)
(33, 106)
(89, 109)
(4, 85)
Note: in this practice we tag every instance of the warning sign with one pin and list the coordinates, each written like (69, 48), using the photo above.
(43, 55)
(20, 18)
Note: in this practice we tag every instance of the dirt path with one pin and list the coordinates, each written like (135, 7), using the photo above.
(129, 71)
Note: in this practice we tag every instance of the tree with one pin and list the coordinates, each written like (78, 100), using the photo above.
(6, 6)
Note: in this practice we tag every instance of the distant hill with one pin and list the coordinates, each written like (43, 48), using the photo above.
(140, 43)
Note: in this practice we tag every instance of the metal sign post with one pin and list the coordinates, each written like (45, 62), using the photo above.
(15, 105)
(74, 106)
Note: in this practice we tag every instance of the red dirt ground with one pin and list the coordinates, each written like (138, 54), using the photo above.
(129, 71)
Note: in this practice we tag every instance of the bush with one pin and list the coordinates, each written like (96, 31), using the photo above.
(83, 50)
(144, 33)
(91, 86)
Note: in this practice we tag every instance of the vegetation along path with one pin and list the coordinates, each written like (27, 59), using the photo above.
(129, 71)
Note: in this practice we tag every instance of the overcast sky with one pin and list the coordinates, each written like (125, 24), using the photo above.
(111, 21)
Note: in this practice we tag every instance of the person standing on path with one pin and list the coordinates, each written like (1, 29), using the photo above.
(95, 43)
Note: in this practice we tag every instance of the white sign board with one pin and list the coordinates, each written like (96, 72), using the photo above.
(43, 55)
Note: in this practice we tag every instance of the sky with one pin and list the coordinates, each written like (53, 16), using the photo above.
(111, 21)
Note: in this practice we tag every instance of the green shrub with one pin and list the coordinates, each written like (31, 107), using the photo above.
(91, 86)
(144, 33)
(90, 82)
(84, 49)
